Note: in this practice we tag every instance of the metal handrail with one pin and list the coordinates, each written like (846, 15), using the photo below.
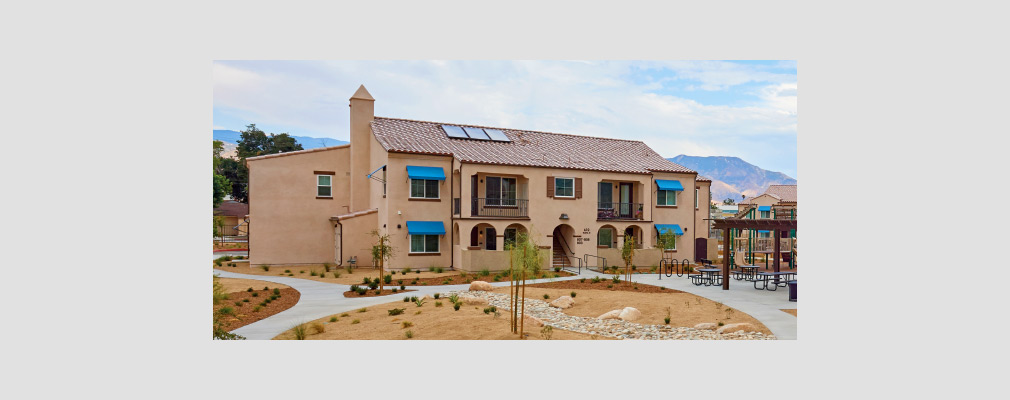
(586, 256)
(580, 263)
(498, 207)
(611, 210)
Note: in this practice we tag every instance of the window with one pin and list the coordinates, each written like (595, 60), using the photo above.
(500, 191)
(696, 197)
(606, 196)
(424, 243)
(673, 244)
(666, 198)
(324, 185)
(764, 234)
(605, 237)
(423, 189)
(564, 187)
(765, 214)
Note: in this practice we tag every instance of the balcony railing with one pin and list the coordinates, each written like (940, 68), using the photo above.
(508, 208)
(619, 211)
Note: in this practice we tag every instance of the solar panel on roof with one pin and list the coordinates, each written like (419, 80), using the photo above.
(497, 135)
(476, 133)
(454, 131)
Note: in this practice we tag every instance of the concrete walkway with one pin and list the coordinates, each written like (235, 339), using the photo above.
(320, 299)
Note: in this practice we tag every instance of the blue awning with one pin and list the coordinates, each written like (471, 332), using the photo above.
(764, 231)
(429, 173)
(669, 185)
(671, 227)
(425, 228)
(764, 208)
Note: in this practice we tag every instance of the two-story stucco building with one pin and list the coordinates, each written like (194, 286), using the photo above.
(452, 195)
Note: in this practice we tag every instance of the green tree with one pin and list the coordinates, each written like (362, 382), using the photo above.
(628, 255)
(252, 143)
(238, 178)
(524, 260)
(221, 183)
(381, 252)
(728, 201)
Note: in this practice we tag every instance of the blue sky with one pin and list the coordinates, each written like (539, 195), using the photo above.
(745, 109)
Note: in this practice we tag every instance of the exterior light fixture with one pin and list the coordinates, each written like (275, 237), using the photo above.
(564, 216)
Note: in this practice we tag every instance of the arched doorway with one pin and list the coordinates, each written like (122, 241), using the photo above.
(484, 236)
(511, 232)
(635, 232)
(607, 236)
(562, 240)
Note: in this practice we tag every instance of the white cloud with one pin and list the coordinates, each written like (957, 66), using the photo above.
(601, 98)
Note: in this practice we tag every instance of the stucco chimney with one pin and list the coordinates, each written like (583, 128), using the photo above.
(362, 113)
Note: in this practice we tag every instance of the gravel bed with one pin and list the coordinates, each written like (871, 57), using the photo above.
(614, 328)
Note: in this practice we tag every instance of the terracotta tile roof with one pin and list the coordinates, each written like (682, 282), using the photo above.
(783, 192)
(232, 208)
(701, 178)
(528, 148)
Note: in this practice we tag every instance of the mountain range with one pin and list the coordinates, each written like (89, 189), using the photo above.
(231, 138)
(733, 177)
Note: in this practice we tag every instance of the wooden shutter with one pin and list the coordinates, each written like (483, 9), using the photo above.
(550, 186)
(578, 188)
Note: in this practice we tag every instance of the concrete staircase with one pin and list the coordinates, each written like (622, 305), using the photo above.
(559, 259)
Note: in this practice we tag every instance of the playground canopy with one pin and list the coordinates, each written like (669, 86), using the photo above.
(777, 226)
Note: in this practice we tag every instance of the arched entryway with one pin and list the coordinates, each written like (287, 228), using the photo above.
(607, 236)
(635, 232)
(484, 236)
(513, 231)
(562, 240)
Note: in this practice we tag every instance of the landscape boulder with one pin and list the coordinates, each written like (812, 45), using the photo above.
(610, 314)
(471, 300)
(630, 314)
(743, 326)
(707, 326)
(481, 285)
(563, 302)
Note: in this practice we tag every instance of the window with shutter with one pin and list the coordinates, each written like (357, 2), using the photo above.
(578, 188)
(550, 186)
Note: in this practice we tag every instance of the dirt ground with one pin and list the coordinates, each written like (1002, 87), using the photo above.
(434, 323)
(356, 277)
(685, 309)
(230, 246)
(245, 311)
(238, 285)
(791, 311)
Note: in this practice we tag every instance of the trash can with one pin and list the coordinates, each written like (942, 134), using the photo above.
(792, 290)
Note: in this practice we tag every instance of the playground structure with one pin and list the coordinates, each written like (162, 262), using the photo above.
(747, 242)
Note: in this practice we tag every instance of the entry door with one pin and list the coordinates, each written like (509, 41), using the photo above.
(490, 241)
(625, 200)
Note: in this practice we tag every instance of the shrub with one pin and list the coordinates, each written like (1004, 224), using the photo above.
(301, 272)
(219, 292)
(409, 334)
(413, 298)
(333, 319)
(287, 271)
(318, 327)
(438, 304)
(417, 272)
(361, 310)
(291, 274)
(357, 321)
(496, 278)
(634, 268)
(609, 286)
(546, 296)
(431, 269)
(387, 279)
(490, 309)
(436, 295)
(266, 288)
(327, 266)
(721, 324)
(403, 287)
(354, 288)
(667, 320)
(299, 331)
(313, 273)
(438, 270)
(374, 284)
(485, 272)
(336, 274)
(406, 324)
(226, 311)
(419, 302)
(349, 270)
(406, 299)
(265, 267)
(257, 308)
(366, 280)
(378, 292)
(573, 295)
(405, 271)
(238, 304)
(277, 291)
(362, 291)
(447, 281)
(557, 269)
(616, 279)
(547, 332)
(583, 280)
(455, 306)
(399, 281)
(635, 287)
(255, 294)
(396, 311)
(418, 312)
(596, 279)
(394, 290)
(454, 298)
(245, 300)
(267, 301)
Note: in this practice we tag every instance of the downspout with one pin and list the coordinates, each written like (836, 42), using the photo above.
(694, 243)
(452, 182)
(340, 260)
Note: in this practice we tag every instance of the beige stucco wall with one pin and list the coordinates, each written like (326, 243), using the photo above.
(399, 209)
(494, 261)
(357, 240)
(288, 224)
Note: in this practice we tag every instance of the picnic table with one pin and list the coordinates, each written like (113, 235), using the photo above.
(776, 279)
(707, 277)
(746, 272)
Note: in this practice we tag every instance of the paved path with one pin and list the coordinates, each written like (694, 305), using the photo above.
(319, 299)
